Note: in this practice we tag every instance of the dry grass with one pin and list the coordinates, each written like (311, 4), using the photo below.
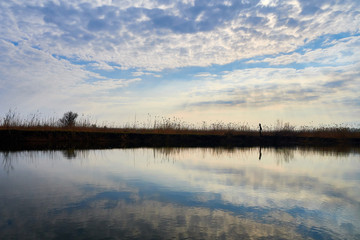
(161, 125)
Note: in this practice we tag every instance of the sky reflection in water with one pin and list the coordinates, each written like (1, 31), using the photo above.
(180, 193)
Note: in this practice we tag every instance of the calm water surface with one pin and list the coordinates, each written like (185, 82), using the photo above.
(180, 194)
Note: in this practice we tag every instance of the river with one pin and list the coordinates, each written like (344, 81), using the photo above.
(180, 193)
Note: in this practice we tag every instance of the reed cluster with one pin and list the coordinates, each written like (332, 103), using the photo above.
(163, 125)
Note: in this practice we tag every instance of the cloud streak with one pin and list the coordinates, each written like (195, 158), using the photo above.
(272, 86)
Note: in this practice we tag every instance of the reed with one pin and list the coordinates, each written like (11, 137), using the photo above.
(163, 125)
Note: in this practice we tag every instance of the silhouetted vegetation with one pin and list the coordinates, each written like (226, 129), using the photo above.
(69, 119)
(165, 132)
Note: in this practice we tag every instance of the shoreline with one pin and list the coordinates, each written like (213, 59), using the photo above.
(35, 139)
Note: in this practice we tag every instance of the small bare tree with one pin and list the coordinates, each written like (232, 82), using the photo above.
(69, 119)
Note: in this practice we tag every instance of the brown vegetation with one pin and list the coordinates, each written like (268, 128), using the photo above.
(163, 132)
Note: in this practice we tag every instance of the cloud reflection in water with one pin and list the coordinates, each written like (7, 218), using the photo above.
(181, 193)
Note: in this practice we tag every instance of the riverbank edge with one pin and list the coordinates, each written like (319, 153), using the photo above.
(13, 139)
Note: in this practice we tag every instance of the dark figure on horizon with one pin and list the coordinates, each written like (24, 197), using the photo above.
(260, 129)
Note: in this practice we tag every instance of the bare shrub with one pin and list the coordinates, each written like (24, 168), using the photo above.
(11, 119)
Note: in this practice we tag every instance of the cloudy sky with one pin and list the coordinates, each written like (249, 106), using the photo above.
(200, 60)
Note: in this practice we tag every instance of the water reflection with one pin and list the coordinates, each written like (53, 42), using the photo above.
(181, 193)
(70, 153)
(260, 153)
(6, 162)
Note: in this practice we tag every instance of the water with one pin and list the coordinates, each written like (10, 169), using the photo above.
(180, 194)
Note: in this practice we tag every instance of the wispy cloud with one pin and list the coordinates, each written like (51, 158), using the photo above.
(45, 81)
(140, 73)
(272, 87)
(161, 56)
(337, 52)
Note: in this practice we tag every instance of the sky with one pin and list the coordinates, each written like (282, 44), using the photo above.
(244, 61)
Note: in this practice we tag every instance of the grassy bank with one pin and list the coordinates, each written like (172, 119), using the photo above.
(81, 137)
(17, 133)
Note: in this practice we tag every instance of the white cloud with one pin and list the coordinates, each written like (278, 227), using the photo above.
(146, 37)
(109, 84)
(140, 73)
(205, 75)
(271, 3)
(154, 35)
(49, 84)
(344, 51)
(31, 80)
(322, 94)
(102, 66)
(272, 86)
(318, 94)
